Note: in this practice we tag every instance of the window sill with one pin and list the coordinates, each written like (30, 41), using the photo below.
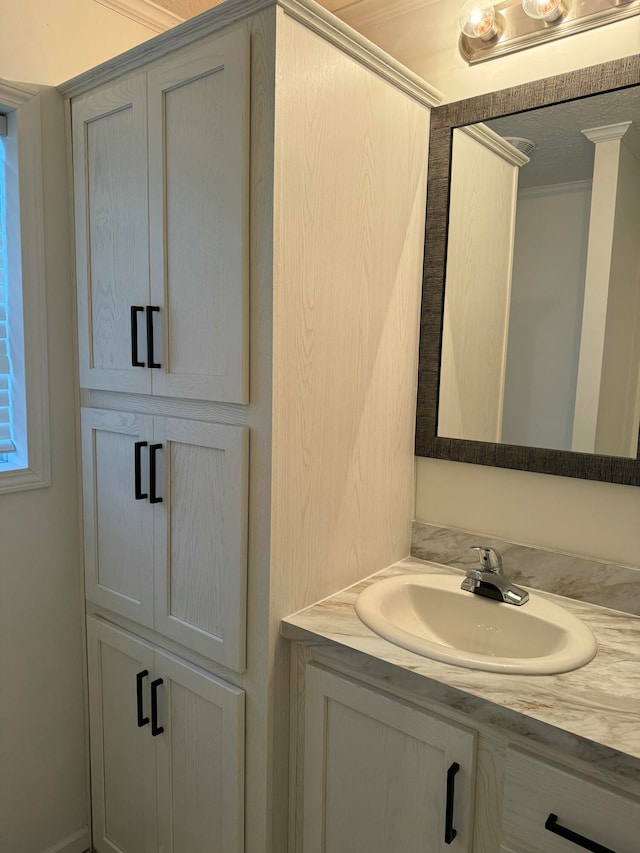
(21, 479)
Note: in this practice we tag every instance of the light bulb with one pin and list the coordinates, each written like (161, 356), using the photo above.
(544, 10)
(478, 20)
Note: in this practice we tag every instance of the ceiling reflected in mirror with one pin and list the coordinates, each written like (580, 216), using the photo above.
(530, 342)
(541, 337)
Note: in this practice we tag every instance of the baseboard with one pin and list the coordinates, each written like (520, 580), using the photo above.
(79, 842)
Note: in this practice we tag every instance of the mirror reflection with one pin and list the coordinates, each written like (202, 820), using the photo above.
(541, 327)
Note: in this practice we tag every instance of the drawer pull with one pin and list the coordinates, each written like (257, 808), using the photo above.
(552, 825)
(150, 356)
(142, 720)
(449, 832)
(154, 497)
(135, 361)
(137, 447)
(155, 728)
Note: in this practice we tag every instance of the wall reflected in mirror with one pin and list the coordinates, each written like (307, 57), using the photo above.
(541, 325)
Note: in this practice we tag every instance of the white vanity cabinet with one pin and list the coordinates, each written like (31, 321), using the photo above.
(165, 526)
(552, 809)
(369, 774)
(161, 212)
(381, 775)
(167, 746)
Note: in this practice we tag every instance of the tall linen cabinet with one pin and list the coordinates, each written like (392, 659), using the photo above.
(249, 194)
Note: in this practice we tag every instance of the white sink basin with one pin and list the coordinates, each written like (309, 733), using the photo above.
(432, 616)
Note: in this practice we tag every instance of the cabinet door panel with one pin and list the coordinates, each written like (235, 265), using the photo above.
(200, 538)
(200, 762)
(118, 529)
(376, 772)
(123, 755)
(198, 166)
(110, 185)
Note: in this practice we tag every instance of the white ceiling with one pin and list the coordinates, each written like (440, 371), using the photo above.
(189, 8)
(562, 152)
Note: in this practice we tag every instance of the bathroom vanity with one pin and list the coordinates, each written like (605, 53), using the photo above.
(392, 751)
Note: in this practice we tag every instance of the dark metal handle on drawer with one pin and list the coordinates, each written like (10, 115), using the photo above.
(142, 720)
(135, 361)
(155, 728)
(150, 356)
(552, 825)
(137, 447)
(154, 498)
(449, 832)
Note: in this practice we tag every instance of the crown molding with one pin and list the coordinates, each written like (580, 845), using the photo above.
(608, 132)
(14, 95)
(308, 12)
(317, 18)
(371, 13)
(495, 143)
(144, 12)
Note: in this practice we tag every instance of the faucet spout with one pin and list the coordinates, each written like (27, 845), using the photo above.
(490, 581)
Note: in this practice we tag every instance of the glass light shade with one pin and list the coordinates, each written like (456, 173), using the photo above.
(478, 20)
(543, 10)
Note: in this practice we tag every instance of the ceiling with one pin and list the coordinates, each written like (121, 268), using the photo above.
(562, 151)
(189, 8)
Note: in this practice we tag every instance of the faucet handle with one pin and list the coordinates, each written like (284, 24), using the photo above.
(490, 560)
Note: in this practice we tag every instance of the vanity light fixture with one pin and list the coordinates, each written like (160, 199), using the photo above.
(544, 10)
(494, 29)
(478, 20)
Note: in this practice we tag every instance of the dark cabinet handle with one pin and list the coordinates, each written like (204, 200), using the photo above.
(137, 447)
(552, 825)
(142, 720)
(150, 356)
(155, 728)
(135, 361)
(154, 498)
(449, 832)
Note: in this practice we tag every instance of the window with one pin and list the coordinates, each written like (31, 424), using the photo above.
(24, 409)
(13, 433)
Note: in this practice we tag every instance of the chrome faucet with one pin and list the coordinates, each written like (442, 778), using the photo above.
(490, 581)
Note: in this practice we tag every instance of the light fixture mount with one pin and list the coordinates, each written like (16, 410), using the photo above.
(516, 30)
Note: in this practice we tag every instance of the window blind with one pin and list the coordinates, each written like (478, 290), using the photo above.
(6, 429)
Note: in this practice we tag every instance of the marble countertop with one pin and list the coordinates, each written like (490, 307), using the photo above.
(599, 702)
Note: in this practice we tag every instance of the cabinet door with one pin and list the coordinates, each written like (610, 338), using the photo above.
(110, 188)
(376, 773)
(198, 178)
(123, 763)
(200, 538)
(118, 528)
(200, 758)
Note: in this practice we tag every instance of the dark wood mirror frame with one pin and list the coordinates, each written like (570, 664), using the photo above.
(597, 79)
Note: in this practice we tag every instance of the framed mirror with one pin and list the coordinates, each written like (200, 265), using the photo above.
(530, 326)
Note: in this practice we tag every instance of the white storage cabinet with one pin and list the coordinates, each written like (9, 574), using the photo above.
(161, 212)
(167, 746)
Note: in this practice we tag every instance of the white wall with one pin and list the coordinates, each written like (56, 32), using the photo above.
(549, 260)
(42, 737)
(50, 41)
(43, 793)
(583, 517)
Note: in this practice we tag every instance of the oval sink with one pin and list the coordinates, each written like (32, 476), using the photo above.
(432, 616)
